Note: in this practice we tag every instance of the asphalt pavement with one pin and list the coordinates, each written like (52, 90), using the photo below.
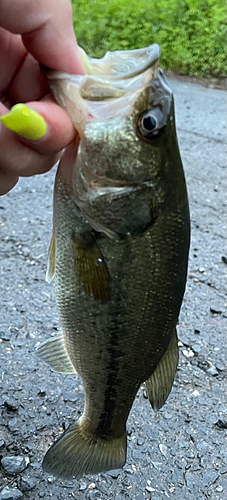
(179, 452)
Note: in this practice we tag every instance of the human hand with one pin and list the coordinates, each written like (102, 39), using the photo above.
(33, 32)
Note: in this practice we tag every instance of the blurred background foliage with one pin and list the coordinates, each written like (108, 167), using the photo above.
(191, 34)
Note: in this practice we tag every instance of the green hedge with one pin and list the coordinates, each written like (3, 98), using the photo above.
(191, 34)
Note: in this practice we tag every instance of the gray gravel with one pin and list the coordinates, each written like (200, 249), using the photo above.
(179, 452)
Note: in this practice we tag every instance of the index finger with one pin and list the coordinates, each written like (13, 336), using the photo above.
(47, 31)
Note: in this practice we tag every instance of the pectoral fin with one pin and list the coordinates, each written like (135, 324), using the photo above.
(91, 269)
(160, 383)
(54, 353)
(51, 260)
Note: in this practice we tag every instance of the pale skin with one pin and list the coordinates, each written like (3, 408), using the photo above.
(34, 32)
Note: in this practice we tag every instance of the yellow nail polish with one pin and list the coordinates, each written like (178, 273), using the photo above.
(25, 122)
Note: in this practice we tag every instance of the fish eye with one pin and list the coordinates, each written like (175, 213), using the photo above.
(150, 123)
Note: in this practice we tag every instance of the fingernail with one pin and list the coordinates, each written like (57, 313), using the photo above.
(86, 61)
(25, 122)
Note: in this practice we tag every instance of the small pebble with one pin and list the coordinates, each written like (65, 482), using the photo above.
(41, 393)
(10, 405)
(196, 348)
(27, 483)
(195, 393)
(103, 489)
(209, 477)
(93, 495)
(2, 444)
(137, 454)
(14, 465)
(185, 341)
(92, 486)
(83, 487)
(13, 424)
(114, 473)
(219, 489)
(168, 415)
(26, 251)
(212, 370)
(140, 441)
(10, 494)
(163, 449)
(220, 366)
(128, 470)
(70, 396)
(188, 353)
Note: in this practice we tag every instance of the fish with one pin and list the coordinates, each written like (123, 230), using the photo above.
(118, 252)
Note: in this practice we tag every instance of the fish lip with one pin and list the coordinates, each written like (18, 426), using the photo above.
(106, 66)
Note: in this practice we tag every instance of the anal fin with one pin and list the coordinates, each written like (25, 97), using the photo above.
(54, 353)
(160, 383)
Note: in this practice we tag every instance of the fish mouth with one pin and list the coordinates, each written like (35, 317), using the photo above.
(110, 87)
(123, 64)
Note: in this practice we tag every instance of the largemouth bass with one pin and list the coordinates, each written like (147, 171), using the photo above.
(119, 251)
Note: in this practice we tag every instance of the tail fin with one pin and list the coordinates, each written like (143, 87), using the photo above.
(76, 453)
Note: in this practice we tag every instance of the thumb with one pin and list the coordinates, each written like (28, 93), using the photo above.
(47, 31)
